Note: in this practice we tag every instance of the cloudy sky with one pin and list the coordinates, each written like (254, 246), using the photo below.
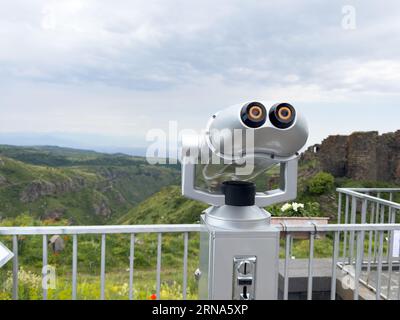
(100, 74)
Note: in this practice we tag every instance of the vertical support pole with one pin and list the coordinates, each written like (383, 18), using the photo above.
(74, 265)
(339, 216)
(390, 250)
(340, 208)
(382, 221)
(310, 267)
(370, 236)
(353, 221)
(44, 268)
(357, 274)
(398, 277)
(364, 208)
(15, 267)
(346, 219)
(334, 264)
(131, 265)
(103, 267)
(159, 243)
(286, 271)
(379, 272)
(185, 264)
(377, 215)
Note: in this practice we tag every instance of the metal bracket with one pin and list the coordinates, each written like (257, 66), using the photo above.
(286, 192)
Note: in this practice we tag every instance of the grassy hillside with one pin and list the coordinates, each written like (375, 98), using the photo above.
(85, 187)
(166, 206)
(169, 206)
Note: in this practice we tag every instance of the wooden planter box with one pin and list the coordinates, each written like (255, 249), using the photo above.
(300, 221)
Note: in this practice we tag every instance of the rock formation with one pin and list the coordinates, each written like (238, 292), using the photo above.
(360, 156)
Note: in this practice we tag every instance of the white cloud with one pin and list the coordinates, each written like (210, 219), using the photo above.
(121, 68)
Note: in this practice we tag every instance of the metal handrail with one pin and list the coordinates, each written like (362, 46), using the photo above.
(185, 229)
(180, 228)
(358, 194)
(108, 229)
(356, 234)
(339, 227)
(311, 229)
(374, 189)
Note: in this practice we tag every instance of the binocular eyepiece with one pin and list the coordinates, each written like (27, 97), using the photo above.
(281, 115)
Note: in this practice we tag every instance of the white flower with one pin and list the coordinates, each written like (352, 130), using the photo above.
(286, 207)
(296, 206)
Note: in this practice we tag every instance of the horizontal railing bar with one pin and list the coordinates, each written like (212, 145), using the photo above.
(181, 228)
(373, 189)
(363, 196)
(339, 227)
(160, 228)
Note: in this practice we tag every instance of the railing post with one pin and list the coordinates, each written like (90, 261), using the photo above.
(390, 253)
(185, 264)
(44, 267)
(310, 267)
(370, 242)
(357, 274)
(339, 208)
(103, 267)
(379, 273)
(346, 219)
(335, 255)
(159, 244)
(353, 221)
(15, 267)
(286, 271)
(377, 214)
(131, 265)
(74, 265)
(363, 221)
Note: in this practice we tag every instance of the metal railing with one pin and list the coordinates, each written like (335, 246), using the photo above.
(337, 263)
(362, 239)
(15, 232)
(370, 206)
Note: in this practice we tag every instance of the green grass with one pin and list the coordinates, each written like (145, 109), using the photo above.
(116, 286)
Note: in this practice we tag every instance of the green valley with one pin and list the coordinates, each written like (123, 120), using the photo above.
(82, 186)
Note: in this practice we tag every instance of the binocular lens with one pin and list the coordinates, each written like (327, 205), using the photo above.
(253, 114)
(282, 115)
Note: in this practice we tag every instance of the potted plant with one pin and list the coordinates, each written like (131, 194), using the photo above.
(298, 214)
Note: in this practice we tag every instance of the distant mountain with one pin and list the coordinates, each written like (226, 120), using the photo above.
(100, 143)
(84, 186)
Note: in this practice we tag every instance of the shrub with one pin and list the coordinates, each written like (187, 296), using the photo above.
(321, 183)
(310, 209)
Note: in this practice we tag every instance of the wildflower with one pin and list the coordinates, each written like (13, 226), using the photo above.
(296, 206)
(286, 207)
(153, 297)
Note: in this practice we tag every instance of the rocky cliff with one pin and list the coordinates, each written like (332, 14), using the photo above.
(359, 156)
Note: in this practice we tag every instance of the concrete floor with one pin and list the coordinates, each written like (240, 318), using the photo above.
(322, 275)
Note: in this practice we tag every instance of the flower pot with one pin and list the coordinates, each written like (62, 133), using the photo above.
(300, 221)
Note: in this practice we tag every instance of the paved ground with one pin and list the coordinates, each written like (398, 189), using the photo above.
(322, 272)
(394, 282)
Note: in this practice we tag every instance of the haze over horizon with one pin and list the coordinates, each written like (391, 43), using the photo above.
(99, 76)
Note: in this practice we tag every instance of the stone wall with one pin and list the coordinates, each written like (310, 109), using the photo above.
(360, 156)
